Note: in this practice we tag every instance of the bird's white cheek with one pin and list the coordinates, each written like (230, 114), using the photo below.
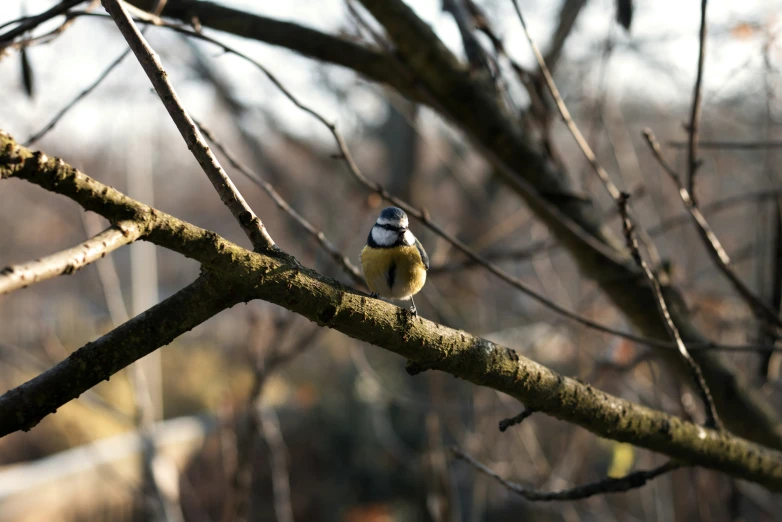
(408, 238)
(383, 237)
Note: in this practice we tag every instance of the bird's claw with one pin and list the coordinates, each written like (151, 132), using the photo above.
(413, 311)
(374, 295)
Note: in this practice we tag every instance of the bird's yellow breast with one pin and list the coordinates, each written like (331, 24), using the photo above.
(409, 270)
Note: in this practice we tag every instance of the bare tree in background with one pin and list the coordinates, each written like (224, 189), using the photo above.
(676, 375)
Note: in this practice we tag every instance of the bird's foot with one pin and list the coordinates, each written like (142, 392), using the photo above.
(374, 295)
(413, 311)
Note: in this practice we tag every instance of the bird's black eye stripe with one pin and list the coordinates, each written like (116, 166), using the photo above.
(389, 227)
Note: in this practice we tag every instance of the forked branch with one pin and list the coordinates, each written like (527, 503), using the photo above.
(228, 192)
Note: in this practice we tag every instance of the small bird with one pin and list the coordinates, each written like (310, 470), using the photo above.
(394, 261)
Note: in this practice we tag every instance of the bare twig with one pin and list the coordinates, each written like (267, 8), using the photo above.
(338, 257)
(21, 19)
(518, 419)
(727, 144)
(519, 254)
(236, 504)
(613, 191)
(545, 245)
(695, 110)
(31, 22)
(86, 92)
(716, 207)
(710, 240)
(70, 260)
(83, 94)
(634, 480)
(472, 48)
(568, 14)
(582, 143)
(229, 194)
(278, 463)
(713, 419)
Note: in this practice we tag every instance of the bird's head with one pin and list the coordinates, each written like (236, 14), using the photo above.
(391, 229)
(393, 218)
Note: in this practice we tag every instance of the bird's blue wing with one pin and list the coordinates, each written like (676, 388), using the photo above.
(421, 251)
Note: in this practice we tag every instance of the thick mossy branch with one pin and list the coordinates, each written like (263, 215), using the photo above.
(235, 275)
(466, 99)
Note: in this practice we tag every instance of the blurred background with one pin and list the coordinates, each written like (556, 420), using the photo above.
(258, 414)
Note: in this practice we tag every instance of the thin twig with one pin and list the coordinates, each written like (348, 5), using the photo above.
(86, 92)
(727, 144)
(634, 480)
(472, 48)
(31, 22)
(713, 419)
(83, 94)
(519, 254)
(716, 207)
(710, 240)
(568, 14)
(278, 463)
(338, 257)
(544, 245)
(229, 194)
(582, 143)
(70, 260)
(695, 110)
(518, 419)
(236, 503)
(612, 189)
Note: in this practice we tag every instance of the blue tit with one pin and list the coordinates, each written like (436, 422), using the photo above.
(394, 261)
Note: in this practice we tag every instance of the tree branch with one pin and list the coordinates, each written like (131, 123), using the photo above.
(70, 260)
(634, 480)
(582, 143)
(568, 14)
(513, 421)
(375, 65)
(466, 101)
(236, 275)
(695, 110)
(83, 94)
(228, 192)
(712, 243)
(727, 144)
(338, 257)
(32, 22)
(712, 418)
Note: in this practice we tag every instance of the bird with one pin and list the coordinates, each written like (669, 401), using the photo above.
(394, 261)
